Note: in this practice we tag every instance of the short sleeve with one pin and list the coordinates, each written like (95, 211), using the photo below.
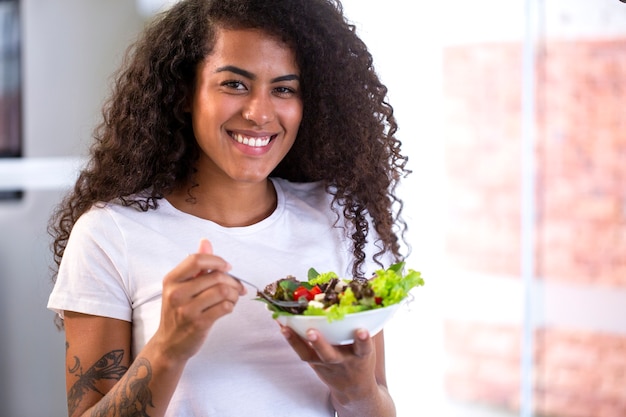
(92, 274)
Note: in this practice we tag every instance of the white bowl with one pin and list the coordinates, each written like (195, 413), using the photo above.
(340, 332)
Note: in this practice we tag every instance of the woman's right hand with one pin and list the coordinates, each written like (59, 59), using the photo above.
(196, 293)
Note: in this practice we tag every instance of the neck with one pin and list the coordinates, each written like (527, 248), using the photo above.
(235, 205)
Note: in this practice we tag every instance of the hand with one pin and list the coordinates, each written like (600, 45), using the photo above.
(196, 293)
(349, 371)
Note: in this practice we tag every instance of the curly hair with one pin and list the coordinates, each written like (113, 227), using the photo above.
(346, 138)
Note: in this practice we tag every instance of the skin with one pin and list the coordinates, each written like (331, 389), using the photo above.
(248, 87)
(355, 374)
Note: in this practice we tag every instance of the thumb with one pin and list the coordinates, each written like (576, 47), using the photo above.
(205, 246)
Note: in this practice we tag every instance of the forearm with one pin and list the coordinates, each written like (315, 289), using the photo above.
(373, 403)
(145, 389)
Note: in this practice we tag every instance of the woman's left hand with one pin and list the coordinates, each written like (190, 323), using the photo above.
(340, 367)
(354, 373)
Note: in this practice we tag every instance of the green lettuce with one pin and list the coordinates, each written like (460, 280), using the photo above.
(390, 285)
(315, 278)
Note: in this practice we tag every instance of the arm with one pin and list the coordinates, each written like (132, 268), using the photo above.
(100, 378)
(355, 374)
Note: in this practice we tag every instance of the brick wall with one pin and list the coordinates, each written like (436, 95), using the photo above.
(482, 122)
(581, 155)
(483, 363)
(578, 373)
(582, 131)
(581, 207)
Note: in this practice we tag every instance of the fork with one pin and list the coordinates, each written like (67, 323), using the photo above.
(285, 304)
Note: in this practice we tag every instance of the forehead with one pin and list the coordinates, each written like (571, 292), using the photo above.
(251, 47)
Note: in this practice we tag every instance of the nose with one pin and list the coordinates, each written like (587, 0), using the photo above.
(259, 109)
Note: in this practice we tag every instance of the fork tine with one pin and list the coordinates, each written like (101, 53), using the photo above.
(280, 303)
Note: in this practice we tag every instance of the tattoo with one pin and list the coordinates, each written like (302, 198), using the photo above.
(133, 397)
(108, 367)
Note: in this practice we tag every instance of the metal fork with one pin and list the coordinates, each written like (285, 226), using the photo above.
(285, 304)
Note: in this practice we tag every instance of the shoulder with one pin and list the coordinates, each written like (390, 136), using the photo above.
(108, 220)
(94, 231)
(311, 193)
(118, 211)
(97, 217)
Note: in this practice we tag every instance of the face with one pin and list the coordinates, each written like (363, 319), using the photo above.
(246, 107)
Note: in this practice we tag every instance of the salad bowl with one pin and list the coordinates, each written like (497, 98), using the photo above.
(337, 307)
(340, 332)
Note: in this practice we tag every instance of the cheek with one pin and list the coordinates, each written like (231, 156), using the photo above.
(207, 120)
(294, 115)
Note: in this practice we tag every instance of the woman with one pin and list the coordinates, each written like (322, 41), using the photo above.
(262, 126)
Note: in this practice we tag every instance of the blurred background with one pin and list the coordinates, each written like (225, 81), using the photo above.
(512, 114)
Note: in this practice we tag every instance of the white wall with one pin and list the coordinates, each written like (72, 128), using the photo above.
(407, 40)
(70, 48)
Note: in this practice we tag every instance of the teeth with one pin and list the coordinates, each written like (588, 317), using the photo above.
(254, 142)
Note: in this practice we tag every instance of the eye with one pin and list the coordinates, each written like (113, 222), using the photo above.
(234, 85)
(285, 91)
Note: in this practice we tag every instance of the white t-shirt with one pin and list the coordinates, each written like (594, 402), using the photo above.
(115, 262)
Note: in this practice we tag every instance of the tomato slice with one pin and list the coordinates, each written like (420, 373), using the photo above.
(315, 290)
(302, 292)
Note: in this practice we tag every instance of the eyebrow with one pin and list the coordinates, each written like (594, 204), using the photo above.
(251, 76)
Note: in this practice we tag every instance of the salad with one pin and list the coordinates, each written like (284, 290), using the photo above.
(327, 294)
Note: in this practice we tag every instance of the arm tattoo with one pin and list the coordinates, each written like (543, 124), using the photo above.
(132, 398)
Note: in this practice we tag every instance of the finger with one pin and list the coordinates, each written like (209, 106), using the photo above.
(199, 314)
(212, 295)
(201, 291)
(363, 343)
(205, 246)
(213, 282)
(299, 345)
(325, 351)
(195, 265)
(216, 301)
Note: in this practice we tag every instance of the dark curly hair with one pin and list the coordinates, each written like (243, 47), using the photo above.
(346, 138)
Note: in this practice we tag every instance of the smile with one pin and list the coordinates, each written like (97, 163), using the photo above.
(255, 142)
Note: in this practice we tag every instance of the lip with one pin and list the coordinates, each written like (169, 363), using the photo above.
(252, 150)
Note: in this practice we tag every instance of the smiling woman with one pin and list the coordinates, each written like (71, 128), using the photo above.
(262, 126)
(245, 115)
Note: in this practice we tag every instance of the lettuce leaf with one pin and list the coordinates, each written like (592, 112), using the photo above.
(315, 278)
(392, 286)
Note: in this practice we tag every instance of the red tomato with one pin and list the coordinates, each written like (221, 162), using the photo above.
(302, 292)
(378, 300)
(315, 290)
